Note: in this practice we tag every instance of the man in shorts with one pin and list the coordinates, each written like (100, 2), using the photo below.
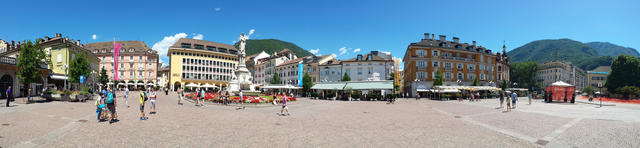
(111, 105)
(126, 96)
(142, 100)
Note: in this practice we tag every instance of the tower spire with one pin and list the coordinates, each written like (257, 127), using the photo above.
(504, 48)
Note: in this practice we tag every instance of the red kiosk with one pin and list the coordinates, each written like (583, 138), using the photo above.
(561, 91)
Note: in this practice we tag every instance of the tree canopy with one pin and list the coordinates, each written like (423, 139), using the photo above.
(307, 83)
(79, 66)
(439, 80)
(346, 77)
(475, 82)
(275, 79)
(31, 55)
(624, 72)
(524, 73)
(103, 78)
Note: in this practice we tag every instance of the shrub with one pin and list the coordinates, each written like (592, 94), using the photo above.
(356, 95)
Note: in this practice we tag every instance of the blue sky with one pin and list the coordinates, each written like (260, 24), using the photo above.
(327, 26)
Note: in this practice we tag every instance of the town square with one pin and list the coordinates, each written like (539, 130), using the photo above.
(320, 74)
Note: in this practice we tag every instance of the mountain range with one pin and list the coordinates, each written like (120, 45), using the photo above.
(587, 56)
(270, 46)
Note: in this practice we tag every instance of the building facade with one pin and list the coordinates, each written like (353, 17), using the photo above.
(554, 71)
(598, 77)
(368, 67)
(252, 61)
(9, 71)
(460, 64)
(201, 62)
(61, 51)
(265, 67)
(137, 64)
(163, 77)
(331, 71)
(311, 66)
(289, 72)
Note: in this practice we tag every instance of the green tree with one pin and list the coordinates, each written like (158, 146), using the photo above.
(475, 82)
(524, 73)
(103, 78)
(275, 79)
(79, 66)
(504, 85)
(589, 90)
(439, 80)
(624, 72)
(346, 77)
(627, 91)
(391, 76)
(306, 82)
(31, 55)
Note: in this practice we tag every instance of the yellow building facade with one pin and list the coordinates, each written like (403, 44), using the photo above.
(199, 63)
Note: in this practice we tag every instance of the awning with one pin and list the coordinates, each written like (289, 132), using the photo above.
(58, 77)
(151, 84)
(329, 86)
(560, 83)
(209, 86)
(192, 85)
(370, 85)
(423, 90)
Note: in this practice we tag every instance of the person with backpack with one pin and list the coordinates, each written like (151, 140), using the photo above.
(99, 105)
(111, 105)
(142, 99)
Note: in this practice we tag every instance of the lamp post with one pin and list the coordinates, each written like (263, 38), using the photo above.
(93, 82)
(65, 67)
(600, 87)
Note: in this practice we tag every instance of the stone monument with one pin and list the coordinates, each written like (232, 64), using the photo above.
(242, 80)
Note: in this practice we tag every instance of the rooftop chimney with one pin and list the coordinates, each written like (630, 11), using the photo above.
(66, 37)
(474, 43)
(426, 36)
(433, 36)
(78, 42)
(456, 39)
(46, 38)
(443, 37)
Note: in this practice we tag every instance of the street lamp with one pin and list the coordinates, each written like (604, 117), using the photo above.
(93, 82)
(65, 67)
(600, 87)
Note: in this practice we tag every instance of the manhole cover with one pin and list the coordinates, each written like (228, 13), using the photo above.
(5, 124)
(1, 137)
(83, 121)
(278, 124)
(365, 112)
(457, 116)
(542, 142)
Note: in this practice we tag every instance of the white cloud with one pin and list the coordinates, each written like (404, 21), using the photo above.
(251, 31)
(162, 61)
(198, 36)
(94, 36)
(314, 51)
(217, 9)
(162, 46)
(356, 50)
(343, 50)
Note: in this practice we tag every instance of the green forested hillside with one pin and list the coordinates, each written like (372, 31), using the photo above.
(613, 50)
(580, 54)
(270, 46)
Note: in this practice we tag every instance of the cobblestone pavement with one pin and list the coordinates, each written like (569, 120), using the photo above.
(316, 123)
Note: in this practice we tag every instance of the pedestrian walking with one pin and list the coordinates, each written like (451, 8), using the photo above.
(530, 93)
(153, 97)
(477, 96)
(180, 96)
(142, 99)
(111, 105)
(508, 103)
(99, 106)
(166, 91)
(284, 105)
(514, 98)
(126, 96)
(201, 98)
(9, 95)
(501, 99)
(241, 97)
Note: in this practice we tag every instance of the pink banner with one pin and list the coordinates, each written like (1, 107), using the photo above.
(116, 56)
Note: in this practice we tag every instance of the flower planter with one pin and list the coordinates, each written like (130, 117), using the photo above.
(56, 97)
(73, 98)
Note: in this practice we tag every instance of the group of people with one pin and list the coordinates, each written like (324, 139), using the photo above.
(106, 103)
(511, 99)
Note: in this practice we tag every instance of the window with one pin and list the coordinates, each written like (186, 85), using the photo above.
(421, 64)
(420, 53)
(140, 58)
(471, 67)
(490, 68)
(471, 76)
(481, 67)
(460, 76)
(446, 54)
(448, 75)
(370, 69)
(434, 53)
(420, 75)
(211, 48)
(347, 71)
(185, 45)
(459, 66)
(435, 63)
(60, 58)
(359, 71)
(198, 46)
(222, 49)
(482, 76)
(448, 65)
(130, 65)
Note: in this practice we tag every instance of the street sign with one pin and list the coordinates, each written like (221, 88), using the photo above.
(81, 78)
(600, 85)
